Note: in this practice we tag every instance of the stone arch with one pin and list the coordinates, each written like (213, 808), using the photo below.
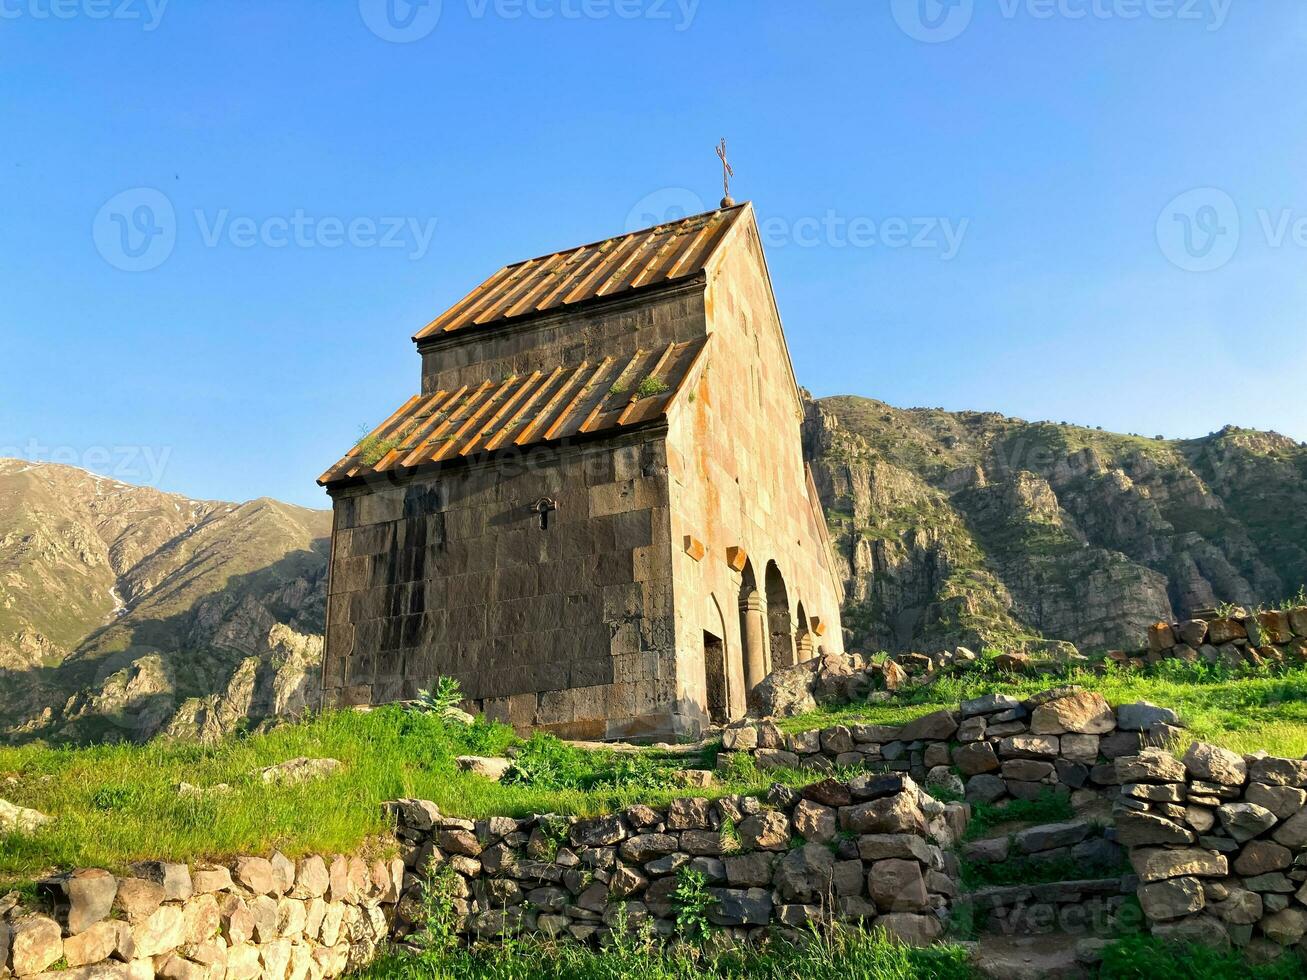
(753, 628)
(780, 625)
(804, 648)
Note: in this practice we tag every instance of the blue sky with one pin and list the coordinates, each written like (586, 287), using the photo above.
(985, 205)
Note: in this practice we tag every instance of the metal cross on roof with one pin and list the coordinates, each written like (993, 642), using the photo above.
(727, 173)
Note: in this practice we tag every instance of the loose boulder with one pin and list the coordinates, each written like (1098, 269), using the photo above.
(1081, 712)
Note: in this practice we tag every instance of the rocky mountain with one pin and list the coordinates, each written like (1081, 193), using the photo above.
(977, 529)
(126, 612)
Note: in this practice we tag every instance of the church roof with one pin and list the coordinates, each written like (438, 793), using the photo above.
(567, 402)
(641, 259)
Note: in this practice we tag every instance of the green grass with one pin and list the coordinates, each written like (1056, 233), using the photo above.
(115, 804)
(1145, 958)
(1047, 807)
(847, 955)
(1242, 713)
(1027, 871)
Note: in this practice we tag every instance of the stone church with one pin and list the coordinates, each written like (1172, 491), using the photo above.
(596, 514)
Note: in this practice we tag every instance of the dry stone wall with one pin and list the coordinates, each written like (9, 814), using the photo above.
(1253, 639)
(252, 918)
(875, 849)
(1212, 844)
(1217, 841)
(993, 747)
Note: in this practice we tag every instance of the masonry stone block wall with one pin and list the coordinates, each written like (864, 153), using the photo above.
(873, 850)
(249, 919)
(687, 554)
(740, 487)
(1216, 845)
(566, 627)
(617, 329)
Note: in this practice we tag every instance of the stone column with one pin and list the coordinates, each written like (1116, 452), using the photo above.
(752, 616)
(805, 650)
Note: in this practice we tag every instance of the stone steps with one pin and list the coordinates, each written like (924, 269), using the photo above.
(1081, 907)
(1052, 956)
(1082, 841)
(1086, 908)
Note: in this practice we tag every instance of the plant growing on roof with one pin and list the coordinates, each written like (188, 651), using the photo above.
(373, 449)
(651, 386)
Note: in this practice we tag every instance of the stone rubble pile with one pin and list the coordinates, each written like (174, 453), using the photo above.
(847, 678)
(252, 918)
(872, 850)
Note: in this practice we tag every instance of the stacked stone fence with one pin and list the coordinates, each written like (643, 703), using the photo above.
(251, 918)
(1216, 845)
(1235, 640)
(993, 747)
(1217, 841)
(875, 850)
(1274, 638)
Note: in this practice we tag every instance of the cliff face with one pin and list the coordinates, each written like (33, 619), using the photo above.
(125, 612)
(976, 529)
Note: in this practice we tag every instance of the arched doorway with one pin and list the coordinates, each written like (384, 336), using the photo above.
(780, 628)
(753, 629)
(803, 646)
(720, 684)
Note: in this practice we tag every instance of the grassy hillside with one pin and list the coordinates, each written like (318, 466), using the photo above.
(114, 804)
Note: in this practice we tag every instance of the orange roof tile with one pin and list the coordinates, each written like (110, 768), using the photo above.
(640, 259)
(590, 398)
